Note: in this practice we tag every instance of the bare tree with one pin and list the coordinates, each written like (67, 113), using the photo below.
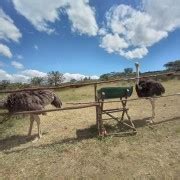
(4, 84)
(55, 78)
(128, 70)
(37, 81)
(173, 65)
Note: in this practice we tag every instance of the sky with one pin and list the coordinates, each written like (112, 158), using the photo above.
(82, 38)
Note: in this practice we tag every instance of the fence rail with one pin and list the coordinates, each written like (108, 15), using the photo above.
(88, 84)
(79, 105)
(133, 99)
(51, 110)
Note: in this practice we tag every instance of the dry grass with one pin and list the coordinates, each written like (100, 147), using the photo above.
(69, 148)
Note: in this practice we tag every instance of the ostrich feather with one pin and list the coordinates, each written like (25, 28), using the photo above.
(31, 100)
(149, 88)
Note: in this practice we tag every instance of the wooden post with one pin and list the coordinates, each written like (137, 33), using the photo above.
(96, 100)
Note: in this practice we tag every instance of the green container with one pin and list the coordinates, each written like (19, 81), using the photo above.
(114, 92)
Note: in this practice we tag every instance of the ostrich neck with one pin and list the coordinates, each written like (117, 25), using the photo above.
(137, 73)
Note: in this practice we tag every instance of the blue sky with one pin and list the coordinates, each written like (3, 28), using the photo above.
(86, 37)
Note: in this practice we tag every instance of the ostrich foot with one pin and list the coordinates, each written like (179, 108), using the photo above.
(40, 136)
(35, 140)
(150, 121)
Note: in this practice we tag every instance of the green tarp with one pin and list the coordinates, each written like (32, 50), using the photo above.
(115, 92)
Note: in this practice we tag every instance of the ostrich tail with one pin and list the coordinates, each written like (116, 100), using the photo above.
(56, 102)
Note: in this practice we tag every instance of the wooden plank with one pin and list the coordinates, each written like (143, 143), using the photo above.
(113, 111)
(95, 98)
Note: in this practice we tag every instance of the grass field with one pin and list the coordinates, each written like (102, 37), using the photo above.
(70, 149)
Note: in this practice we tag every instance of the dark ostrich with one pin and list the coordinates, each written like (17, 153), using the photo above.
(31, 101)
(148, 88)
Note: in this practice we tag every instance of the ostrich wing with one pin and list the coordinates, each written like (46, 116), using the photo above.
(31, 100)
(23, 101)
(149, 88)
(155, 88)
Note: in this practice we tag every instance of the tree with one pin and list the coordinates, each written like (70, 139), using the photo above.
(128, 70)
(4, 84)
(73, 81)
(104, 77)
(37, 81)
(173, 65)
(55, 78)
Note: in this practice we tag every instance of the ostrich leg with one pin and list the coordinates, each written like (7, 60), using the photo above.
(31, 124)
(37, 119)
(152, 100)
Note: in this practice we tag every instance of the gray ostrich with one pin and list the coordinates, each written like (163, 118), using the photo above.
(148, 88)
(30, 101)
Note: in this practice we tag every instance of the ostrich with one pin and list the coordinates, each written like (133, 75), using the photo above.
(148, 88)
(29, 101)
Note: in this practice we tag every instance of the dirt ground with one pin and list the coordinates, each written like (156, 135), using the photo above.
(70, 149)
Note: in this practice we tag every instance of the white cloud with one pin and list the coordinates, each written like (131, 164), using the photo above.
(135, 53)
(78, 77)
(1, 64)
(102, 31)
(8, 30)
(113, 43)
(23, 76)
(19, 78)
(5, 51)
(94, 77)
(17, 65)
(43, 12)
(33, 73)
(140, 29)
(82, 17)
(19, 56)
(165, 13)
(26, 75)
(39, 13)
(36, 47)
(4, 75)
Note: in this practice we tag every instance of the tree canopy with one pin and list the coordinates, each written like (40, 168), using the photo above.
(37, 81)
(128, 70)
(173, 65)
(55, 78)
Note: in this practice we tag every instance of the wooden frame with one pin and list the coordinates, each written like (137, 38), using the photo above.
(100, 111)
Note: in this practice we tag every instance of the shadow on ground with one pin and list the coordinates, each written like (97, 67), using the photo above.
(13, 141)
